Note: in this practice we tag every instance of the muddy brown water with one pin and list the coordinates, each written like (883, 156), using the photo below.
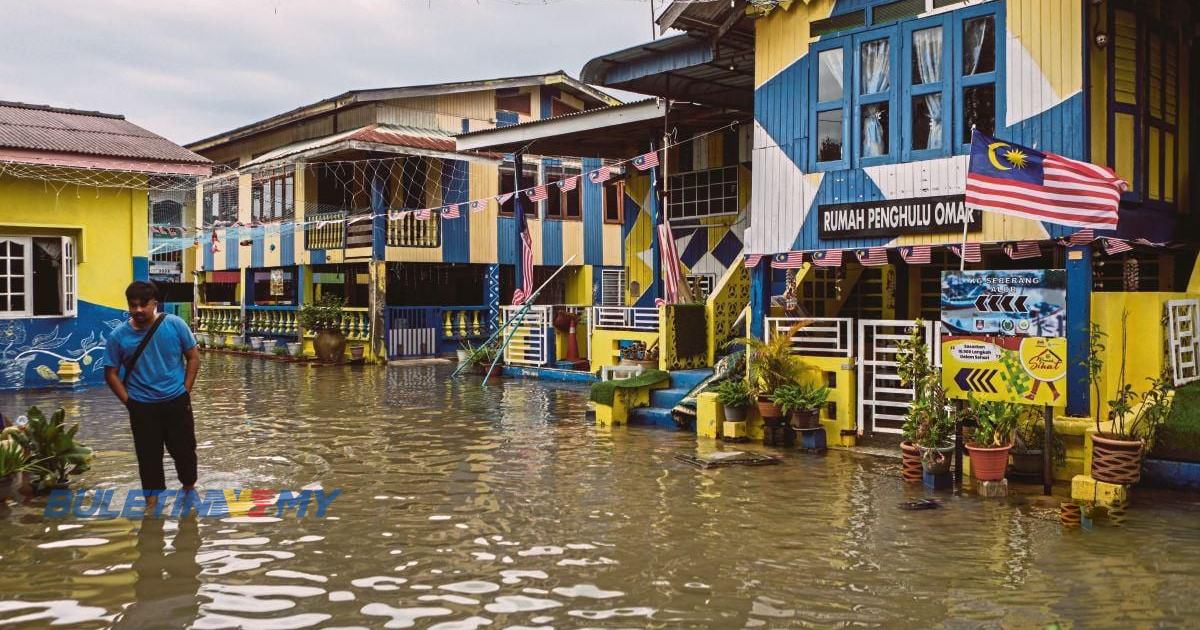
(464, 507)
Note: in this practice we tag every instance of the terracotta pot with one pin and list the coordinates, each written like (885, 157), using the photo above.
(734, 414)
(1116, 461)
(936, 461)
(768, 409)
(357, 352)
(330, 346)
(988, 464)
(910, 462)
(806, 419)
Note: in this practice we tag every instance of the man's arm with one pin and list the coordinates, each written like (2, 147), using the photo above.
(192, 356)
(113, 377)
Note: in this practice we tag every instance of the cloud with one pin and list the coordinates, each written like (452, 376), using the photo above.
(188, 69)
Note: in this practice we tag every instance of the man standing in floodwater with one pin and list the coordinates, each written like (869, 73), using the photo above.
(151, 364)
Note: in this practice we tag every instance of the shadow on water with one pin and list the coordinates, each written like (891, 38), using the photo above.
(462, 506)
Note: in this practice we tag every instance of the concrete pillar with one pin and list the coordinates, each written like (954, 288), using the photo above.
(377, 272)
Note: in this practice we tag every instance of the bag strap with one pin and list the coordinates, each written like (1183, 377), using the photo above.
(137, 353)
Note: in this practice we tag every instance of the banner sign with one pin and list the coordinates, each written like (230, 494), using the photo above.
(894, 217)
(986, 368)
(1022, 303)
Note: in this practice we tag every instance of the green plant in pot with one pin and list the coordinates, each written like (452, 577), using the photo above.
(324, 319)
(734, 396)
(771, 366)
(1134, 419)
(1029, 442)
(929, 422)
(991, 438)
(14, 461)
(51, 444)
(479, 358)
(801, 404)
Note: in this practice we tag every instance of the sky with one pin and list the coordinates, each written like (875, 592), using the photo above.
(189, 69)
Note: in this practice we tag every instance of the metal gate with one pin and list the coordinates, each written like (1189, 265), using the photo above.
(412, 331)
(1183, 330)
(882, 399)
(529, 342)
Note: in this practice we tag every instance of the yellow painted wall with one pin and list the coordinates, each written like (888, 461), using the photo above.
(782, 36)
(1145, 354)
(110, 226)
(605, 348)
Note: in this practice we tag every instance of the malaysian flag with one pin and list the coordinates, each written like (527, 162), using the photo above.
(525, 291)
(670, 263)
(1116, 246)
(971, 252)
(752, 260)
(479, 205)
(828, 258)
(916, 255)
(790, 260)
(1020, 181)
(503, 199)
(1082, 237)
(646, 161)
(1023, 249)
(423, 214)
(872, 257)
(537, 193)
(600, 175)
(451, 212)
(569, 184)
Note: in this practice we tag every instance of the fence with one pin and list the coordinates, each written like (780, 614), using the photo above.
(414, 331)
(625, 318)
(818, 336)
(530, 342)
(278, 321)
(325, 230)
(1183, 328)
(218, 319)
(408, 231)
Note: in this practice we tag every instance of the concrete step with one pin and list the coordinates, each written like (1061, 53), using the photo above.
(656, 416)
(688, 379)
(667, 398)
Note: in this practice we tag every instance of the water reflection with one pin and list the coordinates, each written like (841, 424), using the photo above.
(166, 584)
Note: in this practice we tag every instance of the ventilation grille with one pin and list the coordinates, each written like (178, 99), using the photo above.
(843, 22)
(898, 10)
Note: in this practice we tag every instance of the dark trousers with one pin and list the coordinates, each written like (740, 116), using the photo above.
(168, 423)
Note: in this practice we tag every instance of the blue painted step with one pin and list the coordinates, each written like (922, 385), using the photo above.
(667, 398)
(652, 415)
(687, 379)
(663, 400)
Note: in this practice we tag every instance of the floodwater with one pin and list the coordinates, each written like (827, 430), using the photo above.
(504, 507)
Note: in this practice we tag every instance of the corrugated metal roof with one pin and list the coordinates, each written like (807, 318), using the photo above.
(376, 133)
(43, 128)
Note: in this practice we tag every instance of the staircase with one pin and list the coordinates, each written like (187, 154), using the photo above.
(663, 400)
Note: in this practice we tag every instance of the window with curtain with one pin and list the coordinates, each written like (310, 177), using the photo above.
(831, 74)
(875, 84)
(978, 76)
(927, 85)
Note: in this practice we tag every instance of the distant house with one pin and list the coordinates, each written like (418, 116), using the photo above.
(74, 231)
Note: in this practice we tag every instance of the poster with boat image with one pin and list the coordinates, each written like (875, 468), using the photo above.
(1020, 303)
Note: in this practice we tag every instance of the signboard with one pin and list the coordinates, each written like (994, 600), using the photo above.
(1022, 303)
(276, 282)
(159, 267)
(895, 217)
(1025, 370)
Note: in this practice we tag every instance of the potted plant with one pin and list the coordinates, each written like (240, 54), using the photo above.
(51, 444)
(280, 351)
(734, 395)
(324, 319)
(801, 404)
(480, 358)
(638, 353)
(928, 424)
(1028, 451)
(771, 365)
(991, 439)
(1133, 419)
(357, 352)
(256, 344)
(14, 461)
(294, 348)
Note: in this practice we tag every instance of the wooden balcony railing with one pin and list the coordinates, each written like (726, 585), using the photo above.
(407, 231)
(325, 230)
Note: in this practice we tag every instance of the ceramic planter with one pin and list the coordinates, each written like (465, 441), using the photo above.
(734, 414)
(1116, 461)
(256, 344)
(988, 464)
(806, 419)
(330, 346)
(295, 348)
(910, 462)
(768, 409)
(936, 461)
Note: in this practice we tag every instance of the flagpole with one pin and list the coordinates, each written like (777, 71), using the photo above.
(517, 318)
(962, 253)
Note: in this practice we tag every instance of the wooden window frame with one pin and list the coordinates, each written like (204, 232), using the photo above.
(279, 189)
(619, 186)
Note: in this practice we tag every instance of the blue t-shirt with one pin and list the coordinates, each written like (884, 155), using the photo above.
(159, 373)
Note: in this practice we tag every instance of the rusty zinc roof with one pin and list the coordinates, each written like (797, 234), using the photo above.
(58, 130)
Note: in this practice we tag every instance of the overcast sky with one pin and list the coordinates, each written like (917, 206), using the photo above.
(188, 69)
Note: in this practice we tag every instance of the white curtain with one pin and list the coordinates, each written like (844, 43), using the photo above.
(831, 60)
(973, 46)
(875, 78)
(927, 46)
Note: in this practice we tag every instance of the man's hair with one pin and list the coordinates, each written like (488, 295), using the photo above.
(141, 291)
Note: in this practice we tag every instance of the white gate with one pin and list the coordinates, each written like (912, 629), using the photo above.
(882, 398)
(529, 343)
(1183, 330)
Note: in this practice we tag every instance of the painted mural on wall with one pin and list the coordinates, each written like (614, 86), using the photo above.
(31, 348)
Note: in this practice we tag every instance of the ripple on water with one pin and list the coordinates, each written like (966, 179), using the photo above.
(74, 542)
(519, 604)
(403, 617)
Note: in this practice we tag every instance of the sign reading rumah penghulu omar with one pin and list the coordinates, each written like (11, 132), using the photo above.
(896, 217)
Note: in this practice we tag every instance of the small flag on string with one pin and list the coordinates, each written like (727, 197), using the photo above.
(872, 257)
(396, 215)
(423, 214)
(503, 199)
(659, 302)
(646, 161)
(916, 255)
(451, 211)
(600, 175)
(1082, 237)
(752, 260)
(1116, 246)
(569, 184)
(537, 193)
(828, 258)
(790, 260)
(1023, 249)
(479, 205)
(1147, 242)
(216, 243)
(971, 252)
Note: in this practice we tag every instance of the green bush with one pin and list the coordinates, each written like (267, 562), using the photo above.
(792, 397)
(51, 446)
(324, 314)
(733, 393)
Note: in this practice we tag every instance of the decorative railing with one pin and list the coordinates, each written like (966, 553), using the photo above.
(816, 336)
(464, 322)
(325, 230)
(218, 319)
(408, 231)
(625, 318)
(725, 306)
(277, 321)
(529, 343)
(356, 323)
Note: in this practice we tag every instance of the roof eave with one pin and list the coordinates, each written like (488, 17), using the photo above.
(572, 123)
